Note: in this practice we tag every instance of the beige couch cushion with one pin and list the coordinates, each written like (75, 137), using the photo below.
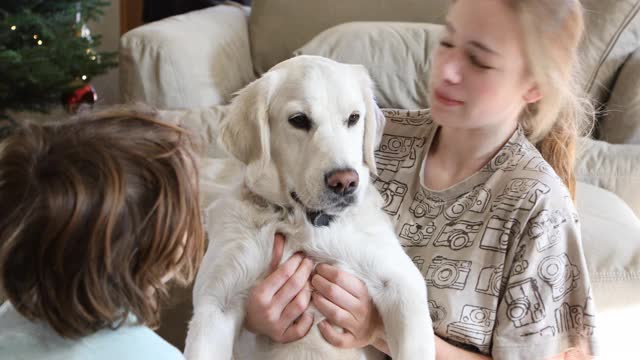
(610, 234)
(174, 63)
(613, 32)
(621, 123)
(278, 27)
(396, 55)
(612, 167)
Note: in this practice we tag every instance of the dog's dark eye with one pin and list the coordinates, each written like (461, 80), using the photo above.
(300, 121)
(353, 119)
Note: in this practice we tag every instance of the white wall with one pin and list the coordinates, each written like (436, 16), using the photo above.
(107, 85)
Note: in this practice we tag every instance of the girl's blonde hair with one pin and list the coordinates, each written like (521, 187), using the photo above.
(552, 32)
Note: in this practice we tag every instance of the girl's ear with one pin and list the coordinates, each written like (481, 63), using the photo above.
(532, 95)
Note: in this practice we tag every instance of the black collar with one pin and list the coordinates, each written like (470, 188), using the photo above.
(319, 218)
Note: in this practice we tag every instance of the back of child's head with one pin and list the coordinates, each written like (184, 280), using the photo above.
(96, 213)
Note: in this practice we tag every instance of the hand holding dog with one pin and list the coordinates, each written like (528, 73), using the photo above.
(276, 305)
(344, 300)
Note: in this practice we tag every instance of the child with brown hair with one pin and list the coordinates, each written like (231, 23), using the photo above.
(97, 214)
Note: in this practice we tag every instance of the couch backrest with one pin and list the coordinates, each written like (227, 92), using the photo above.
(278, 27)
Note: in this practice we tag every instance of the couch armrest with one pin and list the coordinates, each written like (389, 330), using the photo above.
(203, 123)
(612, 167)
(192, 60)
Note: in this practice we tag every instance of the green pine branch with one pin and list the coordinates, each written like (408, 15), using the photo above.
(35, 72)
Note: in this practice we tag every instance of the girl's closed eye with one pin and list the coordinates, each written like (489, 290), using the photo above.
(446, 44)
(477, 63)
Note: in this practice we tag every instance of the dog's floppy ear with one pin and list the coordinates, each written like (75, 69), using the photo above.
(374, 120)
(244, 131)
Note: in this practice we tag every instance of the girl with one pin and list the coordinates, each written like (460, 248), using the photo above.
(97, 214)
(488, 215)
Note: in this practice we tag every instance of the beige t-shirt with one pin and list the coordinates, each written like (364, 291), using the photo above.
(500, 251)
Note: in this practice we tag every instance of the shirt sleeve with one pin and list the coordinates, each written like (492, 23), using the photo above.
(546, 307)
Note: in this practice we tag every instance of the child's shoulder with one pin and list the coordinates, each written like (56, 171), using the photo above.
(21, 338)
(133, 342)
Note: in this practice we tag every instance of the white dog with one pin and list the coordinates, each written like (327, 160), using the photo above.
(307, 130)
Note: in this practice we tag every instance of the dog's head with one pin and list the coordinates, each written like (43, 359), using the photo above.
(307, 127)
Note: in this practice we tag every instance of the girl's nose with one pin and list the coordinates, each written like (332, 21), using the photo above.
(451, 70)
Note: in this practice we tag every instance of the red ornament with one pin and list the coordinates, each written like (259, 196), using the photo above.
(85, 95)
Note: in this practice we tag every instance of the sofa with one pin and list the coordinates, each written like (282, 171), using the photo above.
(190, 65)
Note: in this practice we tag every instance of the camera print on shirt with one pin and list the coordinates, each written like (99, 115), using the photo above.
(520, 264)
(416, 235)
(425, 204)
(446, 273)
(418, 261)
(475, 327)
(524, 302)
(393, 193)
(499, 233)
(570, 319)
(475, 201)
(437, 313)
(408, 117)
(544, 228)
(539, 164)
(397, 152)
(520, 194)
(458, 235)
(490, 280)
(560, 274)
(507, 159)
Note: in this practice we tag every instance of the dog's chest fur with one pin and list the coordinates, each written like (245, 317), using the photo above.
(327, 244)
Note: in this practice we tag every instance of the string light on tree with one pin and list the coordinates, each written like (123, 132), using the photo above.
(49, 43)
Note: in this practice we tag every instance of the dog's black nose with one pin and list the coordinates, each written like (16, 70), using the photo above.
(342, 182)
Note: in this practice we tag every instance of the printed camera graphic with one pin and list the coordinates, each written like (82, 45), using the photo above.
(490, 280)
(392, 193)
(520, 194)
(437, 313)
(475, 326)
(475, 200)
(445, 273)
(416, 234)
(572, 318)
(508, 158)
(458, 235)
(426, 206)
(560, 274)
(544, 229)
(499, 233)
(397, 152)
(418, 261)
(525, 305)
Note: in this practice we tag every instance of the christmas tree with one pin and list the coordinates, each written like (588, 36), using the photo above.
(47, 50)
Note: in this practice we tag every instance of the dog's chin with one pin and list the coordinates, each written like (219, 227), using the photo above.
(333, 205)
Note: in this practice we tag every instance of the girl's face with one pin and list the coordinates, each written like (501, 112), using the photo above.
(479, 76)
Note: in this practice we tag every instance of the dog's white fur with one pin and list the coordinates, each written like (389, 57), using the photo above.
(281, 159)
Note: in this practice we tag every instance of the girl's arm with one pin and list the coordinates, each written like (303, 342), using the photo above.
(444, 351)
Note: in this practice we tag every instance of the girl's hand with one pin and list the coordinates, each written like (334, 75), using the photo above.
(276, 305)
(344, 300)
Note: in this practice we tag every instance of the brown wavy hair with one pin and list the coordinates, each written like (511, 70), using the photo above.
(97, 213)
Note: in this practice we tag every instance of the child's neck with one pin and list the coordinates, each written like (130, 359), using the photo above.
(455, 154)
